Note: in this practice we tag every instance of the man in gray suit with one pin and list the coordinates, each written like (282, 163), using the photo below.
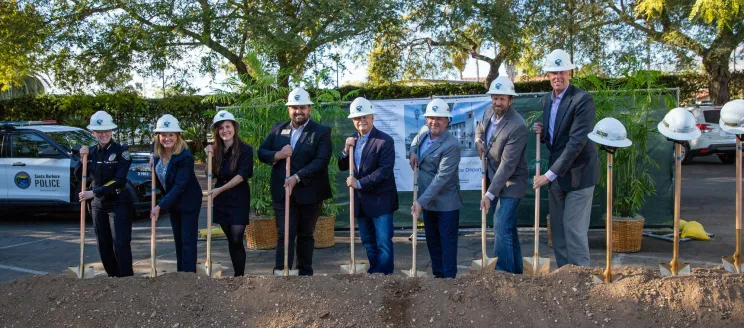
(504, 134)
(568, 114)
(437, 155)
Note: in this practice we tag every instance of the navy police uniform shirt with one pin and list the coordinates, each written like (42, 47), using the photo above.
(107, 171)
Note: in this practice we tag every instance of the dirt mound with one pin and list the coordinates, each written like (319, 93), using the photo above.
(565, 298)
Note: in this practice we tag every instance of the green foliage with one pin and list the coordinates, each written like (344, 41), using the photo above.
(22, 33)
(134, 115)
(631, 102)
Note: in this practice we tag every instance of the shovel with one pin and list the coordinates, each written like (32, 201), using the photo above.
(352, 267)
(81, 271)
(485, 262)
(287, 193)
(413, 273)
(536, 265)
(606, 276)
(735, 263)
(674, 268)
(153, 258)
(209, 268)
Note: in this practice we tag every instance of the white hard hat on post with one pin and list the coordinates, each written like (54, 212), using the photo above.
(679, 124)
(502, 85)
(438, 108)
(360, 107)
(732, 117)
(167, 123)
(610, 132)
(101, 121)
(298, 97)
(558, 61)
(224, 115)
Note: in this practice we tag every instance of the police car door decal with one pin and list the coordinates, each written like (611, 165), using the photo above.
(31, 177)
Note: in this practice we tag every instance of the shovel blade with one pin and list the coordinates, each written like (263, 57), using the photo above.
(543, 266)
(731, 264)
(284, 273)
(158, 272)
(489, 265)
(203, 269)
(601, 279)
(357, 268)
(418, 274)
(74, 272)
(668, 271)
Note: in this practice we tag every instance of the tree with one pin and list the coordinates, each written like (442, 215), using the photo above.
(710, 29)
(386, 55)
(112, 37)
(21, 36)
(471, 26)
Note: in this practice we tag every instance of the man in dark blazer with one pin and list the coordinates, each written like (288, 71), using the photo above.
(309, 145)
(568, 115)
(375, 193)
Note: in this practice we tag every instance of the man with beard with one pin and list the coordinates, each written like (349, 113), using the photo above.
(309, 145)
(503, 137)
(568, 114)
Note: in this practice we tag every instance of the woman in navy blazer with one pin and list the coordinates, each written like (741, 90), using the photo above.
(182, 194)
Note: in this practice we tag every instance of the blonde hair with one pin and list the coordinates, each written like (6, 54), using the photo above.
(177, 149)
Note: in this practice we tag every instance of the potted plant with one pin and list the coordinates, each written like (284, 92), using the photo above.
(631, 102)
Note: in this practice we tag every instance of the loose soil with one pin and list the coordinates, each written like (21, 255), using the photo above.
(565, 298)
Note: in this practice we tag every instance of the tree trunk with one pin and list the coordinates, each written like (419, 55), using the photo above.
(493, 72)
(717, 66)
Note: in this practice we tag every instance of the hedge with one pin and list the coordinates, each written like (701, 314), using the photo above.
(125, 107)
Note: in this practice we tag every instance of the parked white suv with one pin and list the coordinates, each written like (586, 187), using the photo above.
(713, 139)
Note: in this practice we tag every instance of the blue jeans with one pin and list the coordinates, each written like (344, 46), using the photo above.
(377, 237)
(441, 238)
(506, 240)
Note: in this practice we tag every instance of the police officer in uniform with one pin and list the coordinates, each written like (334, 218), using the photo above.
(108, 164)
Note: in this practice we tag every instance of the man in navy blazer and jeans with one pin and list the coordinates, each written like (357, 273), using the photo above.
(375, 194)
(309, 145)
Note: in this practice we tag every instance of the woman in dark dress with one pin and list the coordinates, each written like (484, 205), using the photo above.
(232, 162)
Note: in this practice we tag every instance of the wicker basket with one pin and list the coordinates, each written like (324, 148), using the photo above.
(261, 233)
(550, 236)
(627, 234)
(324, 232)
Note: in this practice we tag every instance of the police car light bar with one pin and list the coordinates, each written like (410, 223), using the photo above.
(27, 123)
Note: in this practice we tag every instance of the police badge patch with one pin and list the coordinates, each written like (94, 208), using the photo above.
(112, 157)
(126, 155)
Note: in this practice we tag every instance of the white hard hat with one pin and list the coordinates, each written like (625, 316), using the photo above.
(438, 108)
(610, 132)
(360, 107)
(502, 86)
(679, 124)
(732, 117)
(558, 61)
(101, 121)
(167, 123)
(298, 97)
(224, 115)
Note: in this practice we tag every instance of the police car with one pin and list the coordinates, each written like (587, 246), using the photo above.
(37, 162)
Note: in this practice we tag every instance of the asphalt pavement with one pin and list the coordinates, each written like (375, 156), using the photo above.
(47, 243)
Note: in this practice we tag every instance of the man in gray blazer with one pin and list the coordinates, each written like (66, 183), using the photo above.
(504, 134)
(437, 155)
(568, 114)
